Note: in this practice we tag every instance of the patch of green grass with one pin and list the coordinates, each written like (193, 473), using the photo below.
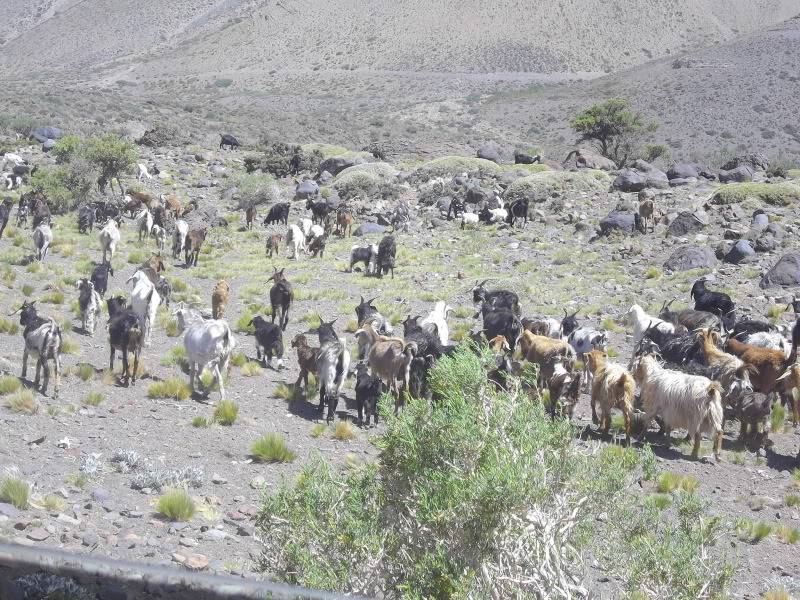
(271, 448)
(200, 422)
(173, 387)
(79, 480)
(311, 319)
(251, 369)
(659, 501)
(84, 371)
(653, 273)
(775, 312)
(737, 458)
(9, 327)
(562, 257)
(777, 594)
(226, 412)
(791, 500)
(352, 326)
(176, 505)
(612, 352)
(752, 532)
(787, 534)
(23, 401)
(136, 257)
(53, 297)
(610, 325)
(239, 359)
(9, 384)
(94, 399)
(288, 392)
(34, 267)
(178, 285)
(778, 417)
(175, 357)
(243, 323)
(15, 491)
(70, 346)
(53, 503)
(318, 429)
(344, 431)
(669, 482)
(776, 194)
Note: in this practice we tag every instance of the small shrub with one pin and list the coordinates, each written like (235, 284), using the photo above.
(9, 327)
(84, 371)
(792, 500)
(777, 594)
(15, 491)
(239, 359)
(344, 431)
(176, 356)
(23, 401)
(752, 532)
(776, 194)
(53, 503)
(199, 422)
(251, 369)
(226, 412)
(653, 273)
(54, 297)
(173, 387)
(176, 505)
(27, 290)
(287, 392)
(79, 480)
(669, 482)
(610, 325)
(70, 346)
(243, 323)
(788, 535)
(660, 501)
(9, 385)
(94, 399)
(777, 418)
(272, 448)
(318, 429)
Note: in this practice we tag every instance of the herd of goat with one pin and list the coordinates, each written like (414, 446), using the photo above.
(689, 368)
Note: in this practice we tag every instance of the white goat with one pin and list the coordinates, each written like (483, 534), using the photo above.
(42, 238)
(690, 402)
(296, 240)
(90, 304)
(497, 215)
(305, 226)
(641, 321)
(160, 235)
(316, 231)
(144, 302)
(208, 343)
(436, 321)
(468, 218)
(143, 172)
(179, 237)
(333, 363)
(144, 223)
(109, 238)
(15, 160)
(11, 180)
(767, 339)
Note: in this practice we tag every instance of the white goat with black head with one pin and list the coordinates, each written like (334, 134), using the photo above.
(144, 301)
(436, 321)
(43, 340)
(641, 321)
(90, 304)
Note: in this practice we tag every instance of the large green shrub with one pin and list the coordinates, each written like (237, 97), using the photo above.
(539, 187)
(253, 188)
(111, 155)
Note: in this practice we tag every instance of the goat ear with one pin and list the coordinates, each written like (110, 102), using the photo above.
(785, 375)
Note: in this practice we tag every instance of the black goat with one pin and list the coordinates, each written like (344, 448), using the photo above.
(494, 299)
(690, 318)
(100, 277)
(368, 389)
(281, 296)
(5, 213)
(164, 289)
(518, 209)
(317, 245)
(427, 342)
(456, 206)
(745, 327)
(319, 210)
(569, 323)
(226, 139)
(365, 254)
(124, 334)
(718, 303)
(502, 322)
(43, 340)
(278, 213)
(269, 341)
(418, 386)
(365, 312)
(87, 216)
(387, 250)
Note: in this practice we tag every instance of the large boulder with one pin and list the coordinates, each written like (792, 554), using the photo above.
(526, 158)
(689, 171)
(685, 223)
(42, 134)
(308, 188)
(368, 228)
(490, 151)
(785, 272)
(48, 145)
(742, 251)
(756, 161)
(337, 164)
(642, 176)
(587, 159)
(766, 239)
(618, 221)
(205, 217)
(736, 175)
(690, 257)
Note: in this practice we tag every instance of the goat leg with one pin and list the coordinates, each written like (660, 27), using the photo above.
(218, 377)
(57, 375)
(38, 372)
(126, 374)
(321, 406)
(696, 448)
(135, 365)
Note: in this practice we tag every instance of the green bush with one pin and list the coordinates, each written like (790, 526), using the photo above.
(777, 194)
(15, 491)
(540, 187)
(253, 188)
(448, 166)
(111, 155)
(65, 148)
(176, 505)
(226, 412)
(271, 448)
(364, 180)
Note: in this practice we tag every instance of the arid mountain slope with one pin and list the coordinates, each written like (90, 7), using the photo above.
(249, 38)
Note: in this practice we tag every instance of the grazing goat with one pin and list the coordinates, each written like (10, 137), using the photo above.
(306, 359)
(384, 262)
(250, 215)
(278, 213)
(160, 235)
(690, 318)
(164, 289)
(690, 402)
(90, 304)
(436, 321)
(124, 334)
(87, 215)
(766, 339)
(768, 364)
(518, 209)
(368, 390)
(319, 210)
(456, 206)
(156, 264)
(717, 303)
(305, 226)
(209, 345)
(173, 205)
(142, 172)
(99, 277)
(365, 254)
(752, 409)
(144, 301)
(281, 296)
(427, 342)
(179, 237)
(612, 387)
(468, 218)
(493, 215)
(269, 341)
(641, 321)
(5, 213)
(227, 139)
(42, 238)
(647, 215)
(728, 368)
(494, 299)
(43, 341)
(144, 223)
(220, 298)
(274, 245)
(333, 364)
(344, 223)
(109, 238)
(789, 381)
(317, 245)
(296, 240)
(548, 327)
(194, 241)
(418, 386)
(367, 313)
(542, 350)
(389, 358)
(502, 322)
(586, 339)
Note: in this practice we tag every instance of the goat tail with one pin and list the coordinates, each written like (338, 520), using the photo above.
(627, 388)
(715, 412)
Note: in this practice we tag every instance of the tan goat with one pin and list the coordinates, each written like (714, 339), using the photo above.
(219, 299)
(612, 387)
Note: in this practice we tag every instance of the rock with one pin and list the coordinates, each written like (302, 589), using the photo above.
(689, 171)
(755, 161)
(617, 221)
(678, 182)
(188, 542)
(214, 535)
(90, 539)
(369, 228)
(218, 170)
(642, 176)
(195, 562)
(245, 530)
(258, 482)
(48, 145)
(9, 510)
(685, 223)
(768, 239)
(741, 252)
(588, 159)
(325, 178)
(690, 257)
(760, 219)
(490, 151)
(218, 479)
(62, 518)
(337, 164)
(38, 534)
(306, 189)
(785, 272)
(100, 495)
(722, 249)
(737, 175)
(42, 134)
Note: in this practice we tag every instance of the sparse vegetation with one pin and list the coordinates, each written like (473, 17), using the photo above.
(344, 431)
(23, 401)
(15, 491)
(94, 399)
(199, 422)
(9, 385)
(777, 194)
(174, 388)
(226, 412)
(271, 448)
(176, 505)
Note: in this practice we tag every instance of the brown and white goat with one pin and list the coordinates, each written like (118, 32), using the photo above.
(173, 205)
(612, 387)
(274, 244)
(541, 350)
(389, 358)
(250, 215)
(728, 366)
(306, 358)
(219, 299)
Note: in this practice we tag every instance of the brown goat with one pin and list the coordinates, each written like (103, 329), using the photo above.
(768, 363)
(274, 245)
(137, 200)
(306, 359)
(540, 350)
(612, 387)
(344, 223)
(172, 205)
(219, 299)
(250, 215)
(156, 263)
(730, 367)
(194, 241)
(647, 212)
(788, 381)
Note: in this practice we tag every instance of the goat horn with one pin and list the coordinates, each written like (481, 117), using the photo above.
(15, 312)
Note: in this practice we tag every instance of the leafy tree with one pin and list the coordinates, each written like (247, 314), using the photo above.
(53, 184)
(112, 156)
(66, 148)
(614, 128)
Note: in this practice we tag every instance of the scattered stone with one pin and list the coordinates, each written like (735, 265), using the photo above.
(38, 534)
(741, 252)
(785, 272)
(195, 562)
(67, 519)
(214, 535)
(258, 482)
(690, 257)
(188, 542)
(685, 223)
(218, 479)
(90, 539)
(9, 510)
